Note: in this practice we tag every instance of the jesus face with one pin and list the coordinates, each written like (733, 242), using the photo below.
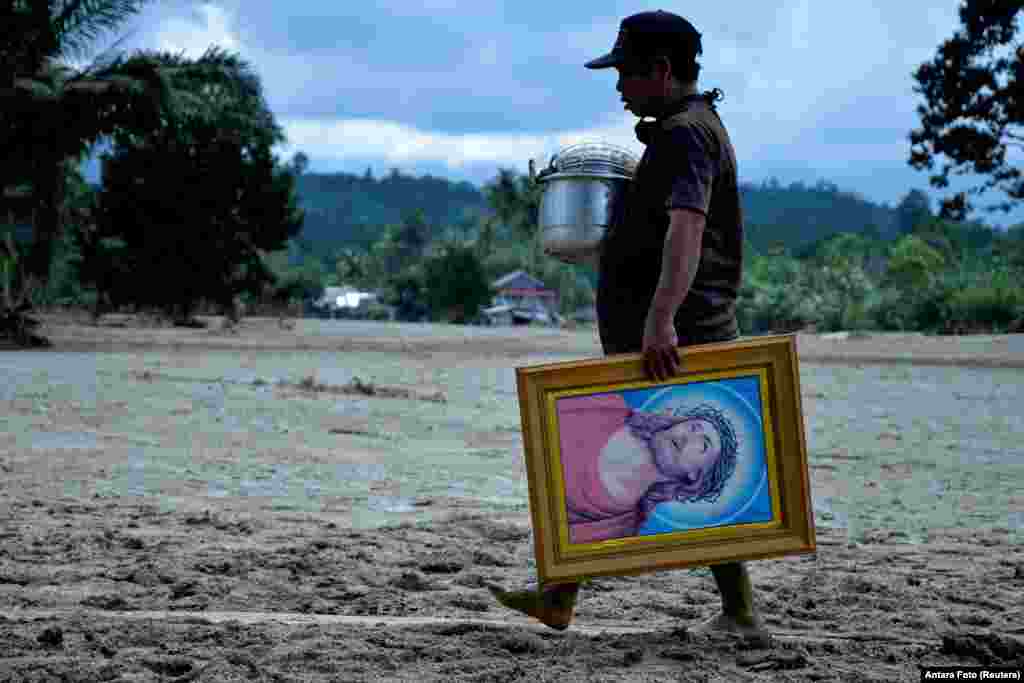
(687, 452)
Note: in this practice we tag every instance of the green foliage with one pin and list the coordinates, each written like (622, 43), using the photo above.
(457, 287)
(407, 292)
(992, 307)
(913, 264)
(972, 111)
(344, 210)
(195, 203)
(798, 215)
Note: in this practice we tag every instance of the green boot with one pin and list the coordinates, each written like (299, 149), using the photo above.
(738, 614)
(551, 605)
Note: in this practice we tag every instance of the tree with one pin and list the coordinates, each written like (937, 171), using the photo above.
(974, 106)
(51, 114)
(299, 163)
(413, 235)
(197, 201)
(913, 264)
(913, 209)
(456, 285)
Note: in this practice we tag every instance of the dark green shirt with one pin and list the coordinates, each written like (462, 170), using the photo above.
(689, 163)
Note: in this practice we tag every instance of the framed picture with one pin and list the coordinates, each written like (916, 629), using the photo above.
(627, 475)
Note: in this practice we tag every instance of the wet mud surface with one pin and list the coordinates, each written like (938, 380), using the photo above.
(157, 529)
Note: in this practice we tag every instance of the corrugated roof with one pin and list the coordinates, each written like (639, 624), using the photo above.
(518, 279)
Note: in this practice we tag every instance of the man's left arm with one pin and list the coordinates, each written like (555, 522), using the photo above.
(679, 263)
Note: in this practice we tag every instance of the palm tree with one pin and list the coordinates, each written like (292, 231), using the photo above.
(52, 114)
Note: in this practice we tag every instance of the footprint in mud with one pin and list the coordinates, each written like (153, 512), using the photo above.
(172, 666)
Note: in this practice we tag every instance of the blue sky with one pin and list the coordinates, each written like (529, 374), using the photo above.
(459, 88)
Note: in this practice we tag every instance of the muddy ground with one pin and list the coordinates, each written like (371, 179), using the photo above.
(180, 574)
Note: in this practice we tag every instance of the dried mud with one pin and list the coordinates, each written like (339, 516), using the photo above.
(99, 586)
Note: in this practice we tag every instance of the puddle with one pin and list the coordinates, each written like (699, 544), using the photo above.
(263, 424)
(826, 515)
(351, 408)
(390, 504)
(1015, 521)
(62, 441)
(136, 473)
(360, 472)
(333, 376)
(211, 397)
(216, 489)
(275, 487)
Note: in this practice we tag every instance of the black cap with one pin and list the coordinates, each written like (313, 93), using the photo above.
(642, 35)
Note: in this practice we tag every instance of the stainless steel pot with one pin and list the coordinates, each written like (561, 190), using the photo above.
(581, 189)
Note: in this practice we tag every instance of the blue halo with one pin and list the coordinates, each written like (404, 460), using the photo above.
(746, 497)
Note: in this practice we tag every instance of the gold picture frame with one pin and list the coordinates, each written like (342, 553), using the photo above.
(628, 476)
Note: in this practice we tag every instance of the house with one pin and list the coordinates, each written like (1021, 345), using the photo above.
(521, 299)
(345, 302)
(584, 314)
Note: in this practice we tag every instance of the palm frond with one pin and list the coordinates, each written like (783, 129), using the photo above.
(78, 23)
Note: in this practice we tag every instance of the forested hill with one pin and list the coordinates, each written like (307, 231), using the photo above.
(798, 215)
(346, 209)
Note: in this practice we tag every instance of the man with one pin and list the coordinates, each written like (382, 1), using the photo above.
(669, 267)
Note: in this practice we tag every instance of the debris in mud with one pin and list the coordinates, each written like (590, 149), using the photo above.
(986, 647)
(106, 602)
(414, 581)
(51, 636)
(774, 661)
(360, 388)
(442, 563)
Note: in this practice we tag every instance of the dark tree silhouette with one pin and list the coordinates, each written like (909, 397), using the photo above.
(913, 209)
(974, 105)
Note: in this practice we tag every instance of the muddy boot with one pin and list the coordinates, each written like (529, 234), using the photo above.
(552, 605)
(738, 615)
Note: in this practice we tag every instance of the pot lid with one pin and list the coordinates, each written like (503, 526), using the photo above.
(594, 157)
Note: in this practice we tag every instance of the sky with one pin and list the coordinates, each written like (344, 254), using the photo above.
(460, 88)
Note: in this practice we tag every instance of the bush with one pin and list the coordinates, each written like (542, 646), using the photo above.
(985, 308)
(924, 310)
(378, 312)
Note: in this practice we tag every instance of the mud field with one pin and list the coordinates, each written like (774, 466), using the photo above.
(329, 502)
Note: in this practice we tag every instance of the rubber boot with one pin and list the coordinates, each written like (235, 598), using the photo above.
(738, 614)
(551, 605)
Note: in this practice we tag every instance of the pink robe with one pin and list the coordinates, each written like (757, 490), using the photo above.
(585, 425)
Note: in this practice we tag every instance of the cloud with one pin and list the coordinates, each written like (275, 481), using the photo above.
(404, 146)
(812, 90)
(206, 25)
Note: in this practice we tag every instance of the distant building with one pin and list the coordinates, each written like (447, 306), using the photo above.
(347, 302)
(522, 299)
(584, 314)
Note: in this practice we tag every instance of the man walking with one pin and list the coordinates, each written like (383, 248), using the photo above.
(670, 265)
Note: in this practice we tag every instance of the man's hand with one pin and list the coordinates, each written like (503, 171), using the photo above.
(660, 349)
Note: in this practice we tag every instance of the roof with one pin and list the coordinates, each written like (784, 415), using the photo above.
(518, 279)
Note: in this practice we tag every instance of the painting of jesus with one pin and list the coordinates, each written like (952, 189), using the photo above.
(654, 461)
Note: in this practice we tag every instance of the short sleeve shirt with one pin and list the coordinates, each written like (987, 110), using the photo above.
(689, 163)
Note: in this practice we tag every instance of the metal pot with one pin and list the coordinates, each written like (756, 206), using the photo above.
(581, 189)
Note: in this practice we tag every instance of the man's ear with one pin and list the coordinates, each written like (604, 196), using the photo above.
(662, 66)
